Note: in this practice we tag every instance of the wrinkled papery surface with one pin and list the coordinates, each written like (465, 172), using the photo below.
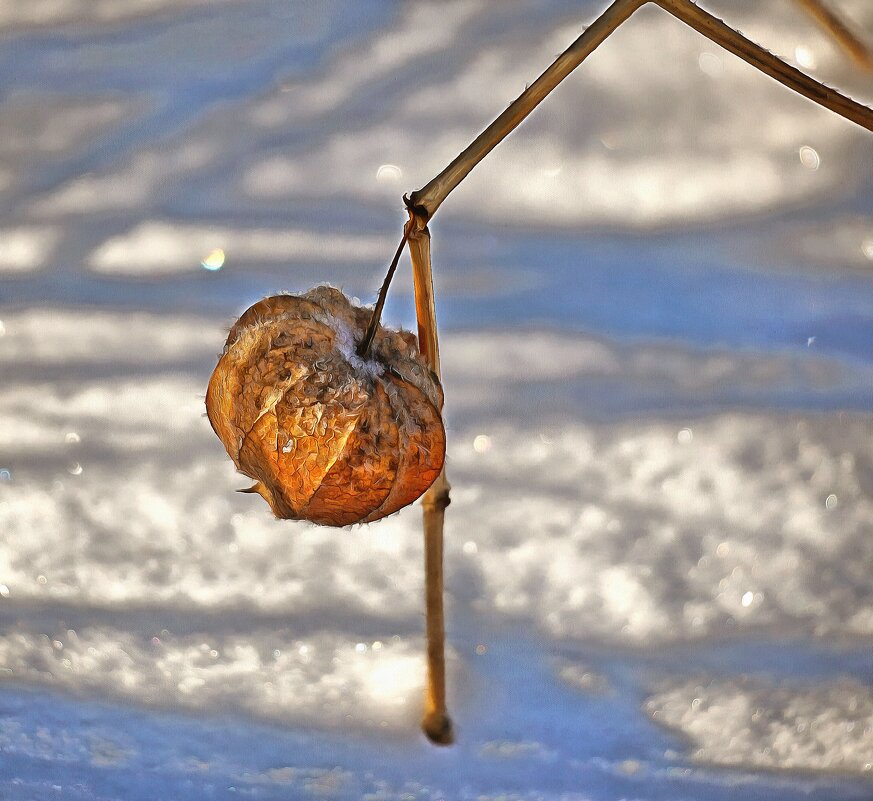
(328, 436)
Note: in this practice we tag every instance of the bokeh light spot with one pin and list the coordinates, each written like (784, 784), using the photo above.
(214, 260)
(804, 57)
(482, 443)
(389, 174)
(809, 157)
(710, 64)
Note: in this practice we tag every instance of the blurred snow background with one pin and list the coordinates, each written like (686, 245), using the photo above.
(658, 326)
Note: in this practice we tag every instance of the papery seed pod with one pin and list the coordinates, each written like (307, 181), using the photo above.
(327, 435)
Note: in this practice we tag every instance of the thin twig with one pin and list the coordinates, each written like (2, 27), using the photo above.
(429, 198)
(713, 28)
(840, 31)
(436, 723)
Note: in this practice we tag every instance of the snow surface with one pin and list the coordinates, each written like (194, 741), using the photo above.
(156, 247)
(59, 12)
(630, 532)
(730, 722)
(639, 166)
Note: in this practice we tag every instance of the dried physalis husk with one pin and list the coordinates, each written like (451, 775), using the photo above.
(327, 435)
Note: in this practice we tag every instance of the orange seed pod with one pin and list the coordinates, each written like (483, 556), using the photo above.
(327, 435)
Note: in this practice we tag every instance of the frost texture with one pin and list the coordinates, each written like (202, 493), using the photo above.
(756, 724)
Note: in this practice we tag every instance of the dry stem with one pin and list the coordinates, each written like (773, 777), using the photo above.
(436, 723)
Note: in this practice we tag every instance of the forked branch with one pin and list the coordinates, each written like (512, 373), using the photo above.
(427, 200)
